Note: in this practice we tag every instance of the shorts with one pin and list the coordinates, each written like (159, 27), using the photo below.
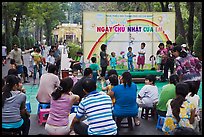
(140, 60)
(19, 69)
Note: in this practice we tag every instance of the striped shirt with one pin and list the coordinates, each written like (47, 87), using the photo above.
(98, 109)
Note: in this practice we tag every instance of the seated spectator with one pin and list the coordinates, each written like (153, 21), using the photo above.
(48, 82)
(77, 88)
(180, 112)
(13, 106)
(167, 92)
(110, 72)
(74, 75)
(13, 71)
(184, 131)
(59, 119)
(125, 96)
(113, 82)
(195, 99)
(98, 112)
(148, 95)
(13, 64)
(77, 63)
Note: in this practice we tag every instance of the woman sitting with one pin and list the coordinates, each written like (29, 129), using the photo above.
(13, 107)
(59, 119)
(125, 96)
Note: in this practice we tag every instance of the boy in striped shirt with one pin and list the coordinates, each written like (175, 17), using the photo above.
(97, 107)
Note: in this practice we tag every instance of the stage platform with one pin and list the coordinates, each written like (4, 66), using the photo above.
(140, 74)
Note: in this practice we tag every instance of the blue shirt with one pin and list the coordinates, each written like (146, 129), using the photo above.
(97, 106)
(130, 56)
(125, 97)
(113, 61)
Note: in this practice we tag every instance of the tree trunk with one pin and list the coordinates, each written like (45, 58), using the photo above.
(149, 6)
(179, 20)
(190, 25)
(18, 19)
(48, 32)
(17, 24)
(164, 7)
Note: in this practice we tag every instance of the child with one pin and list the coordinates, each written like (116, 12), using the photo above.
(148, 95)
(37, 63)
(180, 112)
(195, 99)
(158, 60)
(113, 60)
(113, 82)
(50, 59)
(30, 68)
(95, 68)
(13, 70)
(130, 55)
(74, 76)
(13, 64)
(141, 57)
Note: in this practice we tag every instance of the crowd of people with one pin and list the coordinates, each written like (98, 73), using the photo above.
(97, 110)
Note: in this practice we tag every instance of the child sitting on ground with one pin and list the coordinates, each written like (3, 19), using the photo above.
(148, 95)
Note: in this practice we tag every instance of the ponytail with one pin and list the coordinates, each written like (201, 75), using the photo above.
(175, 106)
(11, 80)
(57, 93)
(65, 86)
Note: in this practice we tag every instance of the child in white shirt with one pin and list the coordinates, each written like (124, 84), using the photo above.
(50, 59)
(148, 95)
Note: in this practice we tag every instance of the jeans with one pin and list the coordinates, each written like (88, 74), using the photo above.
(130, 65)
(37, 69)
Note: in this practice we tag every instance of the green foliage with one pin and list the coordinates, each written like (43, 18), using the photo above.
(22, 41)
(16, 41)
(73, 48)
(9, 44)
(27, 43)
(32, 42)
(180, 40)
(197, 46)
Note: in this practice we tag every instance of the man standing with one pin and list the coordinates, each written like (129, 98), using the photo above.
(169, 60)
(16, 54)
(57, 55)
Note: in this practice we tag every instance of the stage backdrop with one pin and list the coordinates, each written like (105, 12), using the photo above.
(120, 30)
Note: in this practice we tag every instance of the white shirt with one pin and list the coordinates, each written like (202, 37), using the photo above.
(142, 51)
(149, 94)
(4, 51)
(16, 55)
(50, 59)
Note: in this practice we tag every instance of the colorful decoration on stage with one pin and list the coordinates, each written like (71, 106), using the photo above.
(120, 30)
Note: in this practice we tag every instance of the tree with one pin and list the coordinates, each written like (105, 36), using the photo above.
(190, 25)
(16, 41)
(22, 41)
(179, 20)
(164, 6)
(198, 46)
(180, 40)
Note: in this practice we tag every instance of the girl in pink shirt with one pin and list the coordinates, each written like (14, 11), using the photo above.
(59, 119)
